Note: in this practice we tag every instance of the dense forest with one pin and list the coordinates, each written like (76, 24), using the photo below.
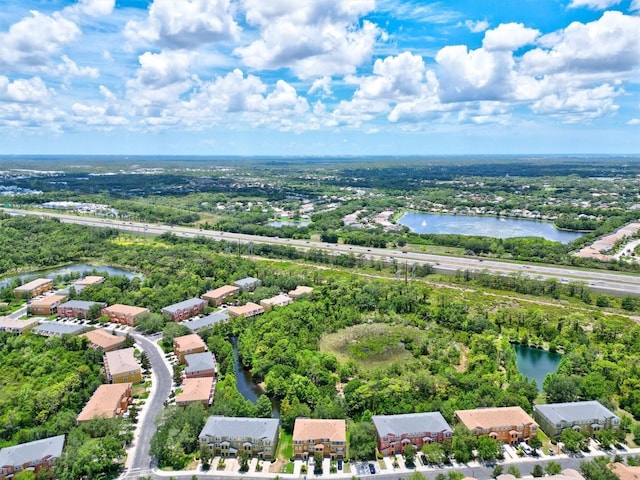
(364, 343)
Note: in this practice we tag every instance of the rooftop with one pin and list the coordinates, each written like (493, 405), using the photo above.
(185, 305)
(120, 309)
(7, 323)
(103, 339)
(281, 299)
(189, 342)
(573, 411)
(313, 428)
(410, 423)
(18, 455)
(494, 417)
(33, 284)
(121, 361)
(624, 472)
(48, 300)
(301, 290)
(58, 328)
(197, 362)
(89, 280)
(221, 291)
(246, 282)
(196, 390)
(246, 309)
(78, 304)
(104, 402)
(241, 427)
(198, 323)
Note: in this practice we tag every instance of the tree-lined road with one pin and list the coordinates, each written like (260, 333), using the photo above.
(598, 280)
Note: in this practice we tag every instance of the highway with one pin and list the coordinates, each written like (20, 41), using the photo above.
(600, 281)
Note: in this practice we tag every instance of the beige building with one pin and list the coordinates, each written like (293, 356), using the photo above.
(47, 305)
(300, 291)
(194, 390)
(187, 345)
(510, 425)
(217, 296)
(125, 314)
(227, 436)
(108, 401)
(104, 341)
(121, 366)
(329, 437)
(249, 310)
(33, 288)
(15, 325)
(277, 301)
(87, 281)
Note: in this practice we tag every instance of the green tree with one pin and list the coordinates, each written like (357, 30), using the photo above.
(416, 476)
(243, 458)
(572, 439)
(205, 456)
(597, 469)
(362, 440)
(463, 443)
(513, 470)
(25, 475)
(263, 407)
(317, 463)
(409, 453)
(553, 468)
(497, 471)
(561, 388)
(606, 438)
(537, 471)
(434, 453)
(487, 448)
(535, 443)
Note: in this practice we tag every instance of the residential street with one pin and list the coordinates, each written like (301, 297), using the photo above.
(139, 463)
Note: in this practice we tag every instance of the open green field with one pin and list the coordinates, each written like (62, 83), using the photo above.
(370, 345)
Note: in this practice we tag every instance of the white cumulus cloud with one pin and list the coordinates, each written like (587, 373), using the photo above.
(314, 38)
(594, 4)
(31, 90)
(509, 36)
(185, 23)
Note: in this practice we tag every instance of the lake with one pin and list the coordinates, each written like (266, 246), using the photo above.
(535, 363)
(288, 223)
(484, 226)
(78, 268)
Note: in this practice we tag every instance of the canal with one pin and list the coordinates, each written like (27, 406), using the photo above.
(249, 389)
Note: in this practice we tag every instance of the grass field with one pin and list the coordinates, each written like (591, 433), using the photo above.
(370, 345)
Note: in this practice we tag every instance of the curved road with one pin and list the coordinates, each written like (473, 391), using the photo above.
(601, 281)
(162, 379)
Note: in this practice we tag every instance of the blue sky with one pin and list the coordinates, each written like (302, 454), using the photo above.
(319, 77)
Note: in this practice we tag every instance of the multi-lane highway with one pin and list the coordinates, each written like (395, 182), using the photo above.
(598, 280)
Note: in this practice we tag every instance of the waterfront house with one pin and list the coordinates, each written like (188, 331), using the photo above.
(33, 288)
(188, 344)
(200, 365)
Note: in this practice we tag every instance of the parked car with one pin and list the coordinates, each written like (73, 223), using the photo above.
(339, 464)
(372, 468)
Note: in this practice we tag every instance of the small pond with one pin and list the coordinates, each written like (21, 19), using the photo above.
(485, 226)
(535, 363)
(78, 268)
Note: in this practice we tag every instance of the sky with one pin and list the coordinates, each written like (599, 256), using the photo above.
(319, 77)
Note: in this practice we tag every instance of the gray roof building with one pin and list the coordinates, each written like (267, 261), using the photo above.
(19, 455)
(208, 321)
(199, 362)
(399, 425)
(79, 304)
(248, 284)
(190, 304)
(589, 417)
(57, 329)
(240, 427)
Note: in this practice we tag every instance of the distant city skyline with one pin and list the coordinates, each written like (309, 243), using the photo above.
(319, 77)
